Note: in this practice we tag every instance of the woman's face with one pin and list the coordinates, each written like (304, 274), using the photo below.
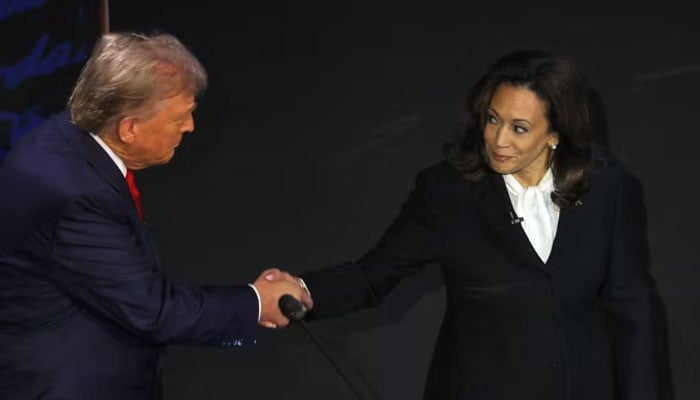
(517, 135)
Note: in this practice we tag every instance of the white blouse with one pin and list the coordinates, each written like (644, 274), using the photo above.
(538, 213)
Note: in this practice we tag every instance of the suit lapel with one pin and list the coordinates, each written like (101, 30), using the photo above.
(495, 210)
(98, 159)
(569, 228)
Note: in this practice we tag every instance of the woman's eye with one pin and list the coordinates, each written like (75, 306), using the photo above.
(519, 129)
(491, 119)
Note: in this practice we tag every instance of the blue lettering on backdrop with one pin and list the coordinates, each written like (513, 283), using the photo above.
(11, 7)
(39, 63)
(48, 56)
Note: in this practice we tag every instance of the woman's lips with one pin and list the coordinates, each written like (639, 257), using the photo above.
(499, 157)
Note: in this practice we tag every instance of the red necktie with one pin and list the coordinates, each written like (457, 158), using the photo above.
(134, 192)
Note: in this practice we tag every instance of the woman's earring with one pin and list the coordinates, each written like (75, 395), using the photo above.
(553, 147)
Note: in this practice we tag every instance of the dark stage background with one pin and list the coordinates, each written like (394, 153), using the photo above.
(319, 115)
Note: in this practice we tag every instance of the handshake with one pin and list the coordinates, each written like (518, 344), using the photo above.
(282, 296)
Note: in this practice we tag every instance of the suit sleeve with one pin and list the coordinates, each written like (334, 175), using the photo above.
(100, 261)
(408, 244)
(630, 301)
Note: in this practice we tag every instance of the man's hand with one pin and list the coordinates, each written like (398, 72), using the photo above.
(273, 284)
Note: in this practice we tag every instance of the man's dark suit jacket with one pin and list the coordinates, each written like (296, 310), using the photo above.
(578, 327)
(84, 307)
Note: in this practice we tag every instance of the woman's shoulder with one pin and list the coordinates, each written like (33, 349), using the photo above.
(439, 172)
(609, 169)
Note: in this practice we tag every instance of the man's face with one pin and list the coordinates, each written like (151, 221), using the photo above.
(157, 134)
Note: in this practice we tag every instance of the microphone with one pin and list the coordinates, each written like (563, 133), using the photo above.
(295, 311)
(292, 308)
(515, 220)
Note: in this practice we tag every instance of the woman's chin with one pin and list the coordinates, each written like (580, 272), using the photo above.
(499, 168)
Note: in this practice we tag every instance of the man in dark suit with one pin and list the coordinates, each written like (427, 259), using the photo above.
(85, 309)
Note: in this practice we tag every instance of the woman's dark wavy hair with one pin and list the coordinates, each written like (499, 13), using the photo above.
(556, 82)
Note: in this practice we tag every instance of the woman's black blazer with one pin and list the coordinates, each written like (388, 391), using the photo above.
(579, 326)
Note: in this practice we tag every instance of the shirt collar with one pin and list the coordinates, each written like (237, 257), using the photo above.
(546, 184)
(118, 161)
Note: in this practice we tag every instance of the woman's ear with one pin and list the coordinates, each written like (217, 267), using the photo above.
(553, 141)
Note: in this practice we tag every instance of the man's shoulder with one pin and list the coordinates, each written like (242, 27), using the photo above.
(47, 159)
(41, 141)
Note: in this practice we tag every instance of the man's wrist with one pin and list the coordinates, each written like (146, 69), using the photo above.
(257, 294)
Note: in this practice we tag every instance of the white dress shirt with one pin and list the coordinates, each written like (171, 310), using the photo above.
(539, 214)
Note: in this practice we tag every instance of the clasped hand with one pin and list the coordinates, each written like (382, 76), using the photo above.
(272, 284)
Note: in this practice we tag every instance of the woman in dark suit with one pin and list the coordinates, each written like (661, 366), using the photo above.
(542, 243)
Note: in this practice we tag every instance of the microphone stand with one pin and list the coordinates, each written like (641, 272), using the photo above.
(295, 312)
(330, 359)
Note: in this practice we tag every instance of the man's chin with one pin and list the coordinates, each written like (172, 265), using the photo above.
(165, 159)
